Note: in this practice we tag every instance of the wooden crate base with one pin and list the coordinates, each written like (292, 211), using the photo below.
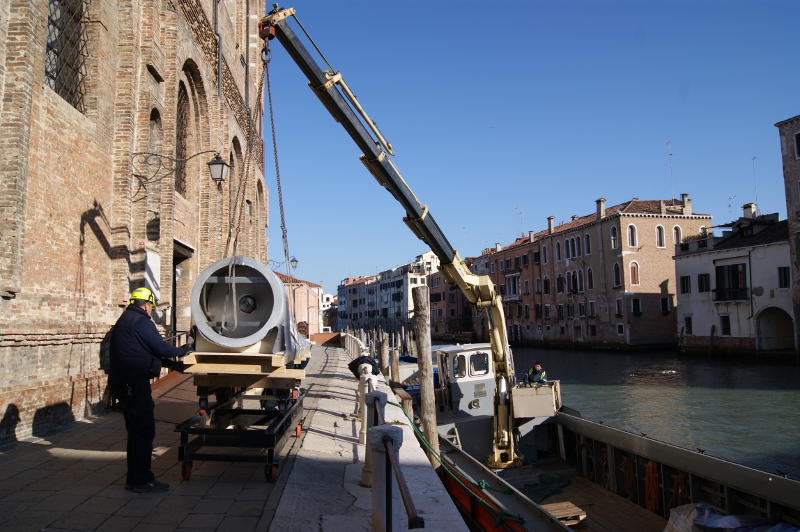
(567, 513)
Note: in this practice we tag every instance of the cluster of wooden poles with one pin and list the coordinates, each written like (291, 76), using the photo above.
(415, 341)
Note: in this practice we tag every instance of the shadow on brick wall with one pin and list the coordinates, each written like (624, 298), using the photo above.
(50, 417)
(8, 425)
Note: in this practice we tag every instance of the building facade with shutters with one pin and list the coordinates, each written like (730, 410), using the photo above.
(602, 279)
(735, 290)
(85, 85)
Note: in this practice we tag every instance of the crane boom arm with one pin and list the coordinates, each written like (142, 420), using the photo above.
(340, 102)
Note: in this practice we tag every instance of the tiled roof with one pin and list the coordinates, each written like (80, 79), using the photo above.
(776, 232)
(634, 206)
(285, 279)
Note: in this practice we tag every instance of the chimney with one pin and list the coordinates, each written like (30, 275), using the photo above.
(601, 207)
(530, 236)
(662, 208)
(687, 205)
(497, 246)
(749, 210)
(574, 217)
(550, 224)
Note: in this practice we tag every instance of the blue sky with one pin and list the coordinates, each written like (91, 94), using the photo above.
(531, 107)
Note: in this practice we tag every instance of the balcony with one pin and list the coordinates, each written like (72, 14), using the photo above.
(731, 294)
(512, 297)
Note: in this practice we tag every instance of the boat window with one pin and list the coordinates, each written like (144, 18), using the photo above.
(479, 363)
(444, 365)
(459, 366)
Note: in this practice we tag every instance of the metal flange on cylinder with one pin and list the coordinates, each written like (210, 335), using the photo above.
(237, 301)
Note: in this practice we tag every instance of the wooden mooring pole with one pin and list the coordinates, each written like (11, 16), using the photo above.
(427, 407)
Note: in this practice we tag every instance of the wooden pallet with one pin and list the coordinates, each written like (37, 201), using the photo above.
(567, 513)
(242, 370)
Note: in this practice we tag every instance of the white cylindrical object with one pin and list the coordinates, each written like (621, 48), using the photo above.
(237, 301)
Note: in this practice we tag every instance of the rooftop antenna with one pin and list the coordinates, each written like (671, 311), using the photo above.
(671, 178)
(755, 186)
(519, 212)
(730, 213)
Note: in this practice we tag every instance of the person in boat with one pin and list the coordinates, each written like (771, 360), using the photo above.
(537, 375)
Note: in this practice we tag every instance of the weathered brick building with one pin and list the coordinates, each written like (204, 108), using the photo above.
(789, 131)
(83, 86)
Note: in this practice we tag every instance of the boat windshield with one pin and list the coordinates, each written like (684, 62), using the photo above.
(459, 366)
(479, 363)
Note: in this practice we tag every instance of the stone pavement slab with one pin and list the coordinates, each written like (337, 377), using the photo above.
(323, 489)
(74, 479)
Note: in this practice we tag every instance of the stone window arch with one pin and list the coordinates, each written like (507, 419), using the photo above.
(182, 115)
(632, 236)
(634, 273)
(660, 241)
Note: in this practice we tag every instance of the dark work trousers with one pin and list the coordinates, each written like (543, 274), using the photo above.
(137, 406)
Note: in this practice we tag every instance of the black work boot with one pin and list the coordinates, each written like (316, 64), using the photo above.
(151, 487)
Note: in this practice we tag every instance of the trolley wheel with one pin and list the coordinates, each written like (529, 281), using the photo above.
(271, 472)
(203, 404)
(298, 430)
(187, 469)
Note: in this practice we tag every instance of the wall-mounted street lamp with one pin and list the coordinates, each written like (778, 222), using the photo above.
(152, 167)
(218, 168)
(276, 264)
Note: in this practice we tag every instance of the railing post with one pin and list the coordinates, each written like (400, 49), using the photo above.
(372, 421)
(386, 504)
(364, 370)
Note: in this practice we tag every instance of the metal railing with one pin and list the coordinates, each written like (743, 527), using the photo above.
(731, 294)
(381, 470)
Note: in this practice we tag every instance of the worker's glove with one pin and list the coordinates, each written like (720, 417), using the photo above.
(188, 348)
(173, 364)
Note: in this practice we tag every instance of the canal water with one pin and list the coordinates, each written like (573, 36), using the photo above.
(740, 411)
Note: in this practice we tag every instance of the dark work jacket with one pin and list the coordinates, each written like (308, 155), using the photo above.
(537, 376)
(137, 350)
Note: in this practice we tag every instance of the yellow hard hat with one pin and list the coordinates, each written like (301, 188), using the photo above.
(143, 294)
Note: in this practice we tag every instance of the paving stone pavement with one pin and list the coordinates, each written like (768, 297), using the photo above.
(74, 479)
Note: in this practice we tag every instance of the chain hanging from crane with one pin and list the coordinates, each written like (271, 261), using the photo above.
(239, 202)
(266, 56)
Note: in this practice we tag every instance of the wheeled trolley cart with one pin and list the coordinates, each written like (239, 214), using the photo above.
(228, 424)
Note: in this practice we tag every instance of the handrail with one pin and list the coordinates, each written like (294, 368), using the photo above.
(174, 338)
(367, 385)
(414, 519)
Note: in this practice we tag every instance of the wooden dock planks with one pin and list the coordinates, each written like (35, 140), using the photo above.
(606, 511)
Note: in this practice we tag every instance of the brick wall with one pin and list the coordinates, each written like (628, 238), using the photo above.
(77, 228)
(791, 180)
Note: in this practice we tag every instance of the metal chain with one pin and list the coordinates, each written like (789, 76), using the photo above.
(241, 192)
(277, 168)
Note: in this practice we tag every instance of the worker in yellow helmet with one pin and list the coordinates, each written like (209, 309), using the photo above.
(137, 354)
